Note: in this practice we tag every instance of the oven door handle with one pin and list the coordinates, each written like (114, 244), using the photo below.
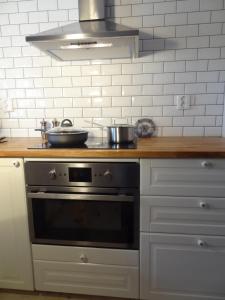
(84, 197)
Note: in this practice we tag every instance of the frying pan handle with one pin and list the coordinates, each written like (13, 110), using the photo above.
(66, 123)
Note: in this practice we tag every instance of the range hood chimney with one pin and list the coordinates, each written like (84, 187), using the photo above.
(92, 37)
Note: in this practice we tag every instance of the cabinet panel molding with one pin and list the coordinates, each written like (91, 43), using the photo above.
(15, 251)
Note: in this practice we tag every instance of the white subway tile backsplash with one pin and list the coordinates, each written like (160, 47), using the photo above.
(131, 90)
(102, 102)
(218, 16)
(186, 54)
(70, 92)
(56, 16)
(163, 78)
(112, 112)
(91, 91)
(142, 79)
(207, 76)
(18, 18)
(37, 17)
(199, 17)
(211, 5)
(193, 131)
(196, 65)
(12, 52)
(9, 30)
(187, 5)
(165, 7)
(174, 66)
(150, 89)
(186, 77)
(111, 69)
(47, 5)
(198, 42)
(214, 110)
(205, 121)
(154, 111)
(142, 100)
(218, 64)
(217, 41)
(26, 6)
(172, 131)
(153, 68)
(68, 4)
(183, 121)
(81, 81)
(210, 29)
(182, 52)
(215, 87)
(213, 131)
(122, 79)
(164, 32)
(208, 53)
(4, 19)
(186, 30)
(142, 9)
(176, 19)
(91, 70)
(153, 21)
(53, 92)
(63, 102)
(109, 91)
(195, 88)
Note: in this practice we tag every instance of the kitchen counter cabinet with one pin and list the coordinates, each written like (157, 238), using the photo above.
(182, 240)
(15, 250)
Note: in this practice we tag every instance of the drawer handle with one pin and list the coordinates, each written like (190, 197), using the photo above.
(201, 243)
(206, 164)
(203, 204)
(84, 258)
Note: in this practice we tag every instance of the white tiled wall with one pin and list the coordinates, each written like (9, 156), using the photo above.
(182, 53)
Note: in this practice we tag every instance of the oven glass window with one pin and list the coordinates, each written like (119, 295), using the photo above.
(99, 223)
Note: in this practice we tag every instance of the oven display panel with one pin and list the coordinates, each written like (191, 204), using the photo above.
(80, 175)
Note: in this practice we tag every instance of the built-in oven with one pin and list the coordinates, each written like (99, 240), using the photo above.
(85, 204)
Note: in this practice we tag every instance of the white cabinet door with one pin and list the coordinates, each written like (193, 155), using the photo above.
(86, 278)
(188, 215)
(183, 177)
(15, 250)
(181, 267)
(90, 271)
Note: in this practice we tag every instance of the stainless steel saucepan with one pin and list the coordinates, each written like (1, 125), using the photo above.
(119, 133)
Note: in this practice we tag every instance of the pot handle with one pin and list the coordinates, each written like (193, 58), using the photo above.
(66, 123)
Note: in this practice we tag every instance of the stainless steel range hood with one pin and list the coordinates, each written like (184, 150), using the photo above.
(91, 38)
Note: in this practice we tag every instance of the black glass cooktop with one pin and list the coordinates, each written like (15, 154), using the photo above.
(91, 143)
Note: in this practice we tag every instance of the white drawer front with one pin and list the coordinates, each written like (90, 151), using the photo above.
(183, 177)
(90, 279)
(182, 267)
(85, 254)
(183, 215)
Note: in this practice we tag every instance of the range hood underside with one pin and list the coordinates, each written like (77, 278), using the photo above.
(88, 40)
(108, 48)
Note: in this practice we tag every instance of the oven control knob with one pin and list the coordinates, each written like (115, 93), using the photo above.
(52, 174)
(108, 174)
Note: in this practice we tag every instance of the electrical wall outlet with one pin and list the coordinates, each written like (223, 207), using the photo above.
(183, 102)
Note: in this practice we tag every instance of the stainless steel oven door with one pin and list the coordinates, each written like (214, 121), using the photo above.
(108, 219)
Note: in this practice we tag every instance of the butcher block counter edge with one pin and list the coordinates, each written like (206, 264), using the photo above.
(157, 147)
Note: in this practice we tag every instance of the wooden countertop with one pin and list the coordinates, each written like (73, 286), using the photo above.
(157, 147)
